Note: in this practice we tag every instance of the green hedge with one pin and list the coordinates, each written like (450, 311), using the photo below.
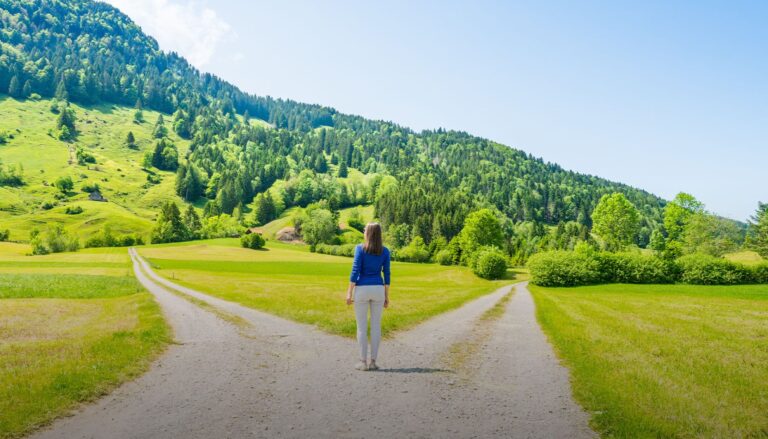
(635, 268)
(567, 268)
(709, 270)
(562, 268)
(347, 250)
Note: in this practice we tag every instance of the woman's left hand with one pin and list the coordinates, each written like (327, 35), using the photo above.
(349, 300)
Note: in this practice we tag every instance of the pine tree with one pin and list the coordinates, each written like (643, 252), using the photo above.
(321, 166)
(14, 88)
(170, 227)
(160, 130)
(264, 209)
(61, 91)
(757, 236)
(27, 90)
(192, 222)
(130, 141)
(342, 170)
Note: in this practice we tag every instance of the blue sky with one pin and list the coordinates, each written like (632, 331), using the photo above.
(665, 96)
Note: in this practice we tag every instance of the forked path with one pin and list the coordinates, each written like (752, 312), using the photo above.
(272, 377)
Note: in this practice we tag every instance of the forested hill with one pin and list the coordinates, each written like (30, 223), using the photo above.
(89, 52)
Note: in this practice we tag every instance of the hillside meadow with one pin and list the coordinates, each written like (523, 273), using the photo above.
(132, 201)
(664, 360)
(289, 281)
(72, 327)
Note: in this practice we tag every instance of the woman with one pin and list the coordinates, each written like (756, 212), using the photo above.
(370, 291)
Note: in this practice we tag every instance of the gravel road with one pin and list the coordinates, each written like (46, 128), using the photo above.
(455, 375)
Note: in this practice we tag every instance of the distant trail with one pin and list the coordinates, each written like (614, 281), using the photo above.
(277, 378)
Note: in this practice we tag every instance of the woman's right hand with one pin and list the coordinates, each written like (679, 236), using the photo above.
(349, 300)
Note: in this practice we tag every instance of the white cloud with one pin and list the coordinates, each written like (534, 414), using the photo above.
(187, 27)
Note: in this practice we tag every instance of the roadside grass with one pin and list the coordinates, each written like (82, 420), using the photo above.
(65, 286)
(69, 338)
(292, 283)
(664, 360)
(745, 257)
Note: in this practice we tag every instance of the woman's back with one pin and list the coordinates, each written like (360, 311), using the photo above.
(367, 268)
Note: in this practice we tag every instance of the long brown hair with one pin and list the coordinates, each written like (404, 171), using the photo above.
(373, 244)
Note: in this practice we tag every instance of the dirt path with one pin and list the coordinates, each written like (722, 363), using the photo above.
(271, 378)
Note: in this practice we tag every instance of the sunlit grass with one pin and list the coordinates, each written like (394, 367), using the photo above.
(68, 336)
(65, 286)
(290, 282)
(745, 257)
(664, 360)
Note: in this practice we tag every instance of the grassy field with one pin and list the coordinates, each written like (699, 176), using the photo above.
(664, 360)
(745, 257)
(132, 204)
(68, 338)
(288, 281)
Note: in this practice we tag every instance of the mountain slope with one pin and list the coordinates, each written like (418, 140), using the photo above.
(90, 53)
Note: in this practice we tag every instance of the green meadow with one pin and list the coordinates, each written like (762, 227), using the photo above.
(664, 360)
(288, 281)
(132, 201)
(72, 327)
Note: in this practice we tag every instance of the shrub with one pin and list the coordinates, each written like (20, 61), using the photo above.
(347, 250)
(416, 251)
(760, 273)
(253, 241)
(5, 235)
(73, 210)
(356, 223)
(635, 268)
(84, 156)
(106, 239)
(56, 240)
(444, 257)
(47, 205)
(489, 263)
(564, 269)
(89, 187)
(703, 269)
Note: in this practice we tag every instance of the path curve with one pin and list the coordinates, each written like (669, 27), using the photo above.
(278, 378)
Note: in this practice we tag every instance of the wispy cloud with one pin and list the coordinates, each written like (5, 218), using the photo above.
(188, 27)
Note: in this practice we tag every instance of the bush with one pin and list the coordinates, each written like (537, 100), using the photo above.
(356, 224)
(56, 240)
(84, 156)
(89, 187)
(760, 273)
(73, 210)
(703, 269)
(416, 251)
(489, 263)
(253, 241)
(635, 268)
(562, 268)
(5, 235)
(347, 250)
(444, 257)
(48, 205)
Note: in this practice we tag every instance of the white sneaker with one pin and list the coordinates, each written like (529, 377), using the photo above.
(372, 365)
(361, 365)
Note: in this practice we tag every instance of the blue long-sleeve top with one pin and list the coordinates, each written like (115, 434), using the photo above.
(367, 268)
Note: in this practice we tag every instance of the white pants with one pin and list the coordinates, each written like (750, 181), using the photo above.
(369, 296)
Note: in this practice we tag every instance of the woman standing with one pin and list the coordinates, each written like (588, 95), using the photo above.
(370, 291)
